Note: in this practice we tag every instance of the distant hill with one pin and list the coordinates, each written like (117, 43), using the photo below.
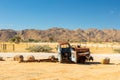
(5, 35)
(59, 34)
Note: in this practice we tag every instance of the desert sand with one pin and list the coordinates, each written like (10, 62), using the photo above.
(12, 70)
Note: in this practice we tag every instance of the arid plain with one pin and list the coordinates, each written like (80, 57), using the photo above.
(12, 70)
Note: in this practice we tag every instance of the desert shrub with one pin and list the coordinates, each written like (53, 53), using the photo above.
(117, 50)
(1, 58)
(30, 58)
(106, 60)
(38, 48)
(19, 58)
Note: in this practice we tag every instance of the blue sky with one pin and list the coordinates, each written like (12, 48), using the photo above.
(70, 14)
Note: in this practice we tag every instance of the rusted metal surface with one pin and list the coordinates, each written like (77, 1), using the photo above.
(73, 53)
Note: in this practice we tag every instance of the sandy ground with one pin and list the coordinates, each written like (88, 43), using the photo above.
(12, 70)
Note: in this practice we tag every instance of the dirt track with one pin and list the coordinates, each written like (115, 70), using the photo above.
(115, 58)
(12, 70)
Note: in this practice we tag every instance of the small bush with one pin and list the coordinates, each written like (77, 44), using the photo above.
(38, 48)
(30, 58)
(1, 58)
(117, 50)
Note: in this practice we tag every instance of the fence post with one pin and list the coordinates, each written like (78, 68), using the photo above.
(13, 47)
(4, 47)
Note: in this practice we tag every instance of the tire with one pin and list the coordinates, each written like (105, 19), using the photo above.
(82, 59)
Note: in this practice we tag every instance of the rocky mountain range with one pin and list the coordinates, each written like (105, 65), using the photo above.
(60, 34)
